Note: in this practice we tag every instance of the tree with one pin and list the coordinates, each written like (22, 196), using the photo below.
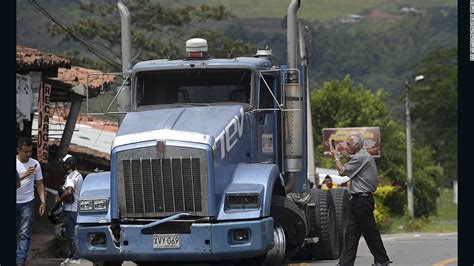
(345, 104)
(157, 31)
(378, 52)
(435, 108)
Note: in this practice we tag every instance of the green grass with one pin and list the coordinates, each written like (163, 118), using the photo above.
(430, 3)
(447, 210)
(446, 221)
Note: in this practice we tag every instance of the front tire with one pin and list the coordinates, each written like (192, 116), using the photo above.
(291, 218)
(293, 222)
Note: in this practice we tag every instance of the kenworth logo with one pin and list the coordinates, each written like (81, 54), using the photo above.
(231, 134)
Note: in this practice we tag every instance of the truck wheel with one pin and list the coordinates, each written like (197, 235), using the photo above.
(276, 255)
(291, 218)
(273, 257)
(324, 226)
(341, 204)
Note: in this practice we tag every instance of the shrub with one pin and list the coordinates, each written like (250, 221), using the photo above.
(426, 191)
(382, 212)
(427, 179)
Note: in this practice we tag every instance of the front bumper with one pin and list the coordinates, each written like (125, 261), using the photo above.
(206, 241)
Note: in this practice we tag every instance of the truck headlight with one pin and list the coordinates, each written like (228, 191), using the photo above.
(91, 205)
(100, 205)
(86, 205)
(242, 200)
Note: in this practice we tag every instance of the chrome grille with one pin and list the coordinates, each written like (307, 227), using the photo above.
(154, 187)
(162, 185)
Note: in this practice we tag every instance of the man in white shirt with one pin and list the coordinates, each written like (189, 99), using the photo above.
(29, 171)
(72, 187)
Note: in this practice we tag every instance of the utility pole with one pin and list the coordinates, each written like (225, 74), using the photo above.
(409, 158)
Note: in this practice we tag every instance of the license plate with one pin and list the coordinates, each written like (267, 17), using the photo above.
(166, 241)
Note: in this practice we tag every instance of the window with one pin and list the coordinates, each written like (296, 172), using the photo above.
(266, 99)
(193, 86)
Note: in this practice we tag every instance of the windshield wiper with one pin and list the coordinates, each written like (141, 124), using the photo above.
(192, 104)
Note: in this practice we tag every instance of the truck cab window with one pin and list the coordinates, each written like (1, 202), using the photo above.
(193, 86)
(265, 98)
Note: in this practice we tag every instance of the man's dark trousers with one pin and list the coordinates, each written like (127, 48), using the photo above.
(362, 221)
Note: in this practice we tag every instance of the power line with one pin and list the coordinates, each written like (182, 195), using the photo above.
(73, 35)
(111, 23)
(205, 29)
(174, 38)
(182, 3)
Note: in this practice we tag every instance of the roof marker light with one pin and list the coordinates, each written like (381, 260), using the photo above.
(196, 48)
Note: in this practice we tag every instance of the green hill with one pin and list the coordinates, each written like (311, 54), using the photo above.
(378, 51)
(262, 15)
(32, 25)
(320, 10)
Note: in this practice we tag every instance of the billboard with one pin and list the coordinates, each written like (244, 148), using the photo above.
(371, 139)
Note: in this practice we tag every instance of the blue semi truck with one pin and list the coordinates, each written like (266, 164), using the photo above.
(210, 163)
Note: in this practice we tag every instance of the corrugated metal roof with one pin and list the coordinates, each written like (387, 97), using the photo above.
(33, 59)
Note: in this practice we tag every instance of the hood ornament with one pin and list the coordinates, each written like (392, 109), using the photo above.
(160, 148)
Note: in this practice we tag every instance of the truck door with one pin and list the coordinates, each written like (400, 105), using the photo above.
(268, 117)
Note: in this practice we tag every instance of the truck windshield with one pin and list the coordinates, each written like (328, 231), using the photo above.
(193, 86)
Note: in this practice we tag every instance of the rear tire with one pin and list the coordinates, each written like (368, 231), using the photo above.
(341, 204)
(324, 226)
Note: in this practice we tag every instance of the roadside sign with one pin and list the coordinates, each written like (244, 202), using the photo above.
(371, 139)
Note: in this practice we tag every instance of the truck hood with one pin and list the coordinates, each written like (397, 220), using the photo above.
(203, 124)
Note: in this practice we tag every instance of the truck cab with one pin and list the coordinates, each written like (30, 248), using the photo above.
(209, 164)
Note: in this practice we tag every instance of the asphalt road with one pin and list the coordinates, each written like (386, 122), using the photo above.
(410, 249)
(403, 249)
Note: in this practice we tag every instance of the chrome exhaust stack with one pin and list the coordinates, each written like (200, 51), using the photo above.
(293, 102)
(124, 97)
(292, 33)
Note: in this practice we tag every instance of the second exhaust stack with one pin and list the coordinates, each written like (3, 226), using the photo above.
(124, 97)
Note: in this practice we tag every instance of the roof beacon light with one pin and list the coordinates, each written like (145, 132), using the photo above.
(196, 48)
(266, 53)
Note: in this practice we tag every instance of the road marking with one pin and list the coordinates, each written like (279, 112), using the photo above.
(388, 238)
(446, 261)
